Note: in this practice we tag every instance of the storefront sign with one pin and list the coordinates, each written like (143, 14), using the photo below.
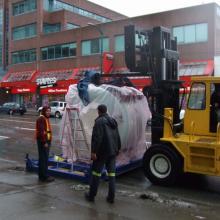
(23, 90)
(46, 81)
(54, 91)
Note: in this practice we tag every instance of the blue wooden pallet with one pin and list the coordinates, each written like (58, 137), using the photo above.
(79, 171)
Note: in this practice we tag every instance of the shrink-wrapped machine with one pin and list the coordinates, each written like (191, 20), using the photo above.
(127, 105)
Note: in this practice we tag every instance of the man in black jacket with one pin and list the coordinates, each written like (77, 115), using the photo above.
(215, 108)
(105, 147)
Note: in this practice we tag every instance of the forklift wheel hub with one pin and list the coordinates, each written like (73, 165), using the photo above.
(160, 166)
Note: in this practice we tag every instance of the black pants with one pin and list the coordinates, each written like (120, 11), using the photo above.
(97, 168)
(43, 154)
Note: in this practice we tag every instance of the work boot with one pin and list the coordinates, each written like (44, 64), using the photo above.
(49, 179)
(89, 198)
(110, 200)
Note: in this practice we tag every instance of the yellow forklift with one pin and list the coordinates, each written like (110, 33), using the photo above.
(177, 146)
(196, 147)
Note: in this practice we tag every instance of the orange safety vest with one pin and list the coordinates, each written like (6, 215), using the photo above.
(48, 129)
(47, 133)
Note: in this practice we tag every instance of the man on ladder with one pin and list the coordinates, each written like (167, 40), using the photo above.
(105, 147)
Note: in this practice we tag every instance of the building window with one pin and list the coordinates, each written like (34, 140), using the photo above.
(86, 47)
(194, 33)
(24, 32)
(58, 51)
(54, 5)
(24, 56)
(24, 7)
(70, 26)
(119, 43)
(95, 47)
(90, 47)
(189, 34)
(51, 28)
(178, 32)
(201, 32)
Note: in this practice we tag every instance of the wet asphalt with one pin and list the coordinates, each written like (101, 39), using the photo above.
(23, 197)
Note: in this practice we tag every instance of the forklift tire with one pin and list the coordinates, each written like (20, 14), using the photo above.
(162, 165)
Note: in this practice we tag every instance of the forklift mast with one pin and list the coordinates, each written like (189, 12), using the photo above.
(154, 53)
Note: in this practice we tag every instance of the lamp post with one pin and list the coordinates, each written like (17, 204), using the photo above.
(101, 42)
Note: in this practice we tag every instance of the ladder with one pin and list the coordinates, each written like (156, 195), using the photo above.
(80, 146)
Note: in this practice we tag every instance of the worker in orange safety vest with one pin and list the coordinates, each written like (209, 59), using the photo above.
(44, 138)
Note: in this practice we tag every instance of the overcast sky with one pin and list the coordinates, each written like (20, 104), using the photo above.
(133, 8)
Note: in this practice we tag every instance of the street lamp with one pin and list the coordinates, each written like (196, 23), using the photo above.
(101, 42)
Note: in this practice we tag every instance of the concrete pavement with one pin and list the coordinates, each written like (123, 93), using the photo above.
(23, 197)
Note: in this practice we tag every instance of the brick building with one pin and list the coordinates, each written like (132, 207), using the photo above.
(55, 40)
(35, 28)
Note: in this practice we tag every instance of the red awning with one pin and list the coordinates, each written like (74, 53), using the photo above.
(196, 68)
(66, 76)
(18, 79)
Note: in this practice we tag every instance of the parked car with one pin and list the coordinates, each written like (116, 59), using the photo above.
(57, 108)
(12, 108)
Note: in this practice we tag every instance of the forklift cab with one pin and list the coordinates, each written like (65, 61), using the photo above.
(203, 106)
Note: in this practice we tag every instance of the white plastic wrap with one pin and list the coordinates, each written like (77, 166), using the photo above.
(127, 105)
